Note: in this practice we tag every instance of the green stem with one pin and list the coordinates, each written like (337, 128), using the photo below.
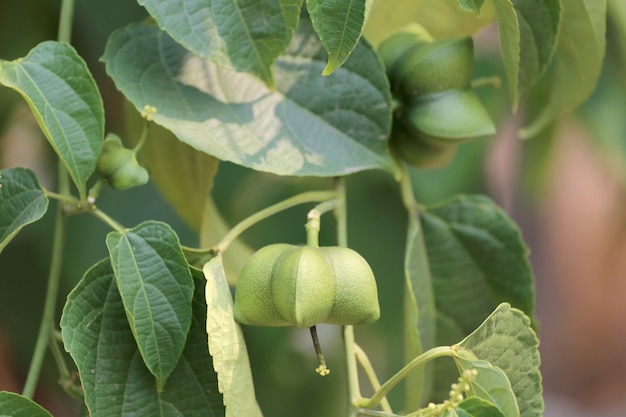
(65, 21)
(493, 81)
(406, 188)
(59, 358)
(341, 216)
(308, 197)
(374, 413)
(365, 363)
(54, 278)
(108, 220)
(65, 199)
(427, 356)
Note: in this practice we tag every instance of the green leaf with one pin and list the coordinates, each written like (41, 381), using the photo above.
(243, 35)
(490, 384)
(441, 18)
(15, 405)
(577, 62)
(528, 38)
(182, 174)
(227, 346)
(475, 252)
(65, 100)
(115, 380)
(472, 5)
(474, 407)
(419, 314)
(156, 287)
(22, 202)
(339, 24)
(506, 340)
(309, 125)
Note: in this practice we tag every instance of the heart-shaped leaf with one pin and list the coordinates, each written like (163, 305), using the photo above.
(309, 125)
(65, 100)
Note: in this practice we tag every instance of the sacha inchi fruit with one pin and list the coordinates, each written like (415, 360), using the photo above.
(438, 109)
(289, 285)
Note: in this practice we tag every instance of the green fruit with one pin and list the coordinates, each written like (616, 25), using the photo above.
(433, 67)
(420, 153)
(119, 166)
(302, 286)
(402, 40)
(452, 116)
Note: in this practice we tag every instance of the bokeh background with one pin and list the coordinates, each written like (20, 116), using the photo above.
(566, 190)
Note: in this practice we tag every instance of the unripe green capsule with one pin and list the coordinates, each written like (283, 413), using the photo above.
(420, 153)
(119, 166)
(302, 286)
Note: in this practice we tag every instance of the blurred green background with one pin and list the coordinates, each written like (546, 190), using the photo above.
(522, 177)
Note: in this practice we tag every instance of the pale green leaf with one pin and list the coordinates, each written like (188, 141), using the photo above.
(419, 314)
(477, 407)
(472, 5)
(506, 340)
(22, 202)
(528, 38)
(65, 100)
(490, 383)
(182, 174)
(442, 18)
(15, 405)
(577, 62)
(227, 345)
(115, 381)
(156, 287)
(339, 24)
(309, 125)
(244, 35)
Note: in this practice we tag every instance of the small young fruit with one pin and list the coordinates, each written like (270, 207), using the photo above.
(302, 286)
(119, 166)
(399, 42)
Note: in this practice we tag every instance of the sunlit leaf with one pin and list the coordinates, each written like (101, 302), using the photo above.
(244, 35)
(309, 125)
(227, 346)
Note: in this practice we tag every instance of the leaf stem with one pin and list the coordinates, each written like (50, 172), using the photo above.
(406, 188)
(365, 363)
(493, 81)
(429, 355)
(65, 21)
(54, 278)
(106, 219)
(242, 226)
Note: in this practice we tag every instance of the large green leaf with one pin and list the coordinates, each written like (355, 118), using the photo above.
(63, 96)
(339, 24)
(577, 62)
(475, 252)
(244, 35)
(182, 174)
(442, 18)
(309, 125)
(506, 340)
(22, 201)
(114, 378)
(528, 37)
(227, 346)
(15, 405)
(419, 313)
(156, 287)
